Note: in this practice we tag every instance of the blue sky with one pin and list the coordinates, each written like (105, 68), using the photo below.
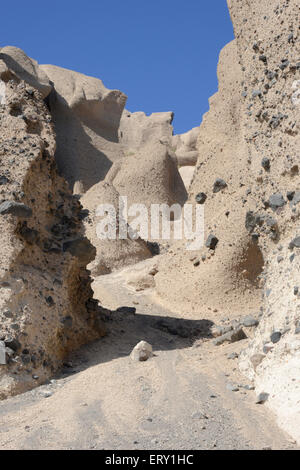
(162, 53)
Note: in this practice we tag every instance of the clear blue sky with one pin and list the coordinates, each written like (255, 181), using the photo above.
(162, 53)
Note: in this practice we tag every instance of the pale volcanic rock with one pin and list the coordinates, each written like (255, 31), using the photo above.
(25, 69)
(41, 283)
(115, 253)
(86, 116)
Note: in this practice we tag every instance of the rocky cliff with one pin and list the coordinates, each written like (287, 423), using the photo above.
(46, 303)
(248, 170)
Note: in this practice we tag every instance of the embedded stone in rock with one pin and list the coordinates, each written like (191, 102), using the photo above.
(276, 201)
(220, 330)
(296, 197)
(263, 58)
(249, 321)
(256, 93)
(141, 352)
(253, 220)
(129, 310)
(199, 415)
(201, 198)
(276, 337)
(3, 180)
(230, 337)
(219, 184)
(262, 398)
(211, 242)
(267, 348)
(46, 393)
(250, 221)
(15, 208)
(265, 163)
(295, 243)
(12, 343)
(81, 248)
(232, 356)
(2, 353)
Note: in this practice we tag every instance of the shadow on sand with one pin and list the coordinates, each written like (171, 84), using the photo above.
(125, 329)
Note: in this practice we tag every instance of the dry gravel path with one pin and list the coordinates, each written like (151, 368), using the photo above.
(176, 400)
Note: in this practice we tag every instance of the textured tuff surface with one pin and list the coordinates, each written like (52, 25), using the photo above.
(69, 145)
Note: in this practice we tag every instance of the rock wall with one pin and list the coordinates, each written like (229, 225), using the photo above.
(46, 305)
(225, 279)
(247, 177)
(268, 44)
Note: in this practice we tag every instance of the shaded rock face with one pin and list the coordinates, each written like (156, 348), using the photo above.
(97, 141)
(41, 283)
(86, 117)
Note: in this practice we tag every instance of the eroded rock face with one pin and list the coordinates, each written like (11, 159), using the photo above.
(86, 117)
(268, 43)
(112, 253)
(137, 129)
(42, 281)
(227, 277)
(25, 69)
(250, 139)
(148, 176)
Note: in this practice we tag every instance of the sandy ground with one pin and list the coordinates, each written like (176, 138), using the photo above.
(176, 400)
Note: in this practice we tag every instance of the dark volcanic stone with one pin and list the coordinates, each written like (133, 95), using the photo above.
(249, 321)
(275, 337)
(201, 198)
(128, 310)
(262, 398)
(12, 343)
(230, 337)
(265, 163)
(15, 208)
(3, 180)
(290, 195)
(219, 184)
(212, 242)
(295, 243)
(276, 201)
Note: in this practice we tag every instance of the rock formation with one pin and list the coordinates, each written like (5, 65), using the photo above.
(250, 139)
(111, 254)
(241, 165)
(86, 116)
(46, 304)
(268, 47)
